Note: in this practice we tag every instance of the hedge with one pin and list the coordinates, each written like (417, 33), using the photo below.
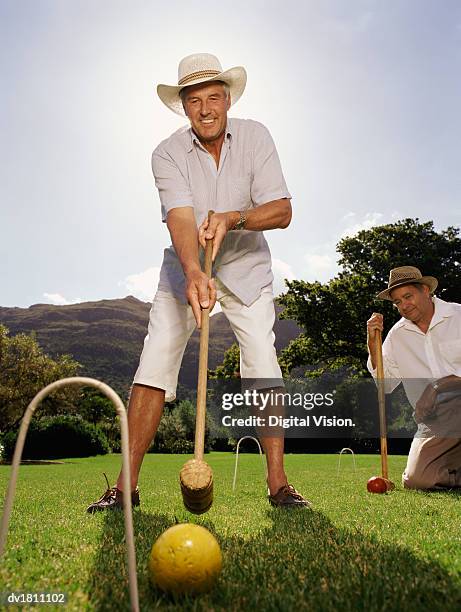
(58, 437)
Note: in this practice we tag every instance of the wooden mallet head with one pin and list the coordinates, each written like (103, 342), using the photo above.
(196, 480)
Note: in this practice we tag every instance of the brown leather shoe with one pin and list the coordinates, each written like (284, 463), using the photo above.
(288, 497)
(112, 499)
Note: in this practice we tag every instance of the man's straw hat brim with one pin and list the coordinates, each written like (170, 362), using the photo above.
(235, 78)
(406, 275)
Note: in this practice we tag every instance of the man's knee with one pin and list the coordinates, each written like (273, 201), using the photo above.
(415, 480)
(433, 463)
(417, 473)
(141, 390)
(436, 478)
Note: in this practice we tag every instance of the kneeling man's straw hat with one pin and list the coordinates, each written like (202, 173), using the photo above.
(406, 275)
(200, 68)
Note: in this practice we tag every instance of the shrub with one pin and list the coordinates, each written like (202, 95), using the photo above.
(112, 431)
(171, 436)
(176, 432)
(58, 437)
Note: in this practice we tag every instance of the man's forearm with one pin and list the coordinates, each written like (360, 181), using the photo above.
(372, 354)
(200, 290)
(273, 215)
(183, 231)
(447, 383)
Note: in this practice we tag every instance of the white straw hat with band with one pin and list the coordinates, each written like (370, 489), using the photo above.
(200, 68)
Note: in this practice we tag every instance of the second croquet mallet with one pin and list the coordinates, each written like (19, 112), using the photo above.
(382, 408)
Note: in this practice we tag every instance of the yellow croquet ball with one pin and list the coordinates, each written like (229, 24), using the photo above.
(186, 558)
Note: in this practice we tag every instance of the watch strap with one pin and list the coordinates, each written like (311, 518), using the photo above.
(241, 222)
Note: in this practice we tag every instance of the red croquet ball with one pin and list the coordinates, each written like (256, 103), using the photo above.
(376, 484)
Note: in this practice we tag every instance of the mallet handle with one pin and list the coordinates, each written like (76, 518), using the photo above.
(381, 402)
(203, 362)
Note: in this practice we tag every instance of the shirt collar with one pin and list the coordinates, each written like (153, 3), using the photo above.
(442, 310)
(195, 141)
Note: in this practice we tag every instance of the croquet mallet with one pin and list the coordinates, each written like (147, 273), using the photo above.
(196, 477)
(382, 409)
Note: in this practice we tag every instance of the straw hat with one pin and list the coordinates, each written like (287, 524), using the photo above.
(406, 275)
(200, 68)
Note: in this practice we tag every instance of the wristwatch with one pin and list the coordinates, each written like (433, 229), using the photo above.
(241, 222)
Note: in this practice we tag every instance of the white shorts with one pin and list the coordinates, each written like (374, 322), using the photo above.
(171, 324)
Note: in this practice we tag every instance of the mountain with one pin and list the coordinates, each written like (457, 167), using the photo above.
(106, 337)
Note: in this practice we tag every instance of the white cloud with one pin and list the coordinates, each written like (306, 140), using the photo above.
(281, 270)
(58, 300)
(321, 264)
(142, 285)
(319, 267)
(371, 220)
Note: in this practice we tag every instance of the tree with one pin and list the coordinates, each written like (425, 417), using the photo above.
(230, 366)
(334, 315)
(95, 407)
(24, 371)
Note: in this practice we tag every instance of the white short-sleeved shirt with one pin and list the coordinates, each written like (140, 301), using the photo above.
(249, 175)
(415, 358)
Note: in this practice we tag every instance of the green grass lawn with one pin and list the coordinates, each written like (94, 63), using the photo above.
(355, 551)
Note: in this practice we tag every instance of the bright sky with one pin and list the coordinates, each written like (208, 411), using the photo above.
(362, 98)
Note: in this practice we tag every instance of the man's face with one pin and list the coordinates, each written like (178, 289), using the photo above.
(206, 106)
(413, 302)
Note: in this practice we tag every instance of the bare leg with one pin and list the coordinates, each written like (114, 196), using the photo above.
(273, 449)
(144, 413)
(273, 445)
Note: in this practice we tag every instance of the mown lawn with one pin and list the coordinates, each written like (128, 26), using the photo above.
(355, 551)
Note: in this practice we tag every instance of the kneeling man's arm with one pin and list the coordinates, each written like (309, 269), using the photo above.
(448, 383)
(426, 404)
(391, 370)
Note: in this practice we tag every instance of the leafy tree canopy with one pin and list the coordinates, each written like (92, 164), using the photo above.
(230, 366)
(24, 371)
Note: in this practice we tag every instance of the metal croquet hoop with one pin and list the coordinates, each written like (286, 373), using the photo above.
(346, 450)
(110, 393)
(237, 456)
